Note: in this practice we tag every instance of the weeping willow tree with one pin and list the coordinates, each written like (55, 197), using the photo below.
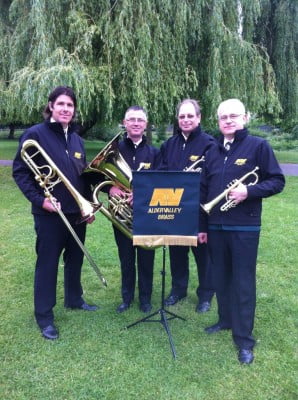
(230, 64)
(4, 52)
(116, 53)
(113, 53)
(44, 52)
(277, 30)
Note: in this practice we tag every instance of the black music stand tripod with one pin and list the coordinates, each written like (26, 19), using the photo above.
(162, 312)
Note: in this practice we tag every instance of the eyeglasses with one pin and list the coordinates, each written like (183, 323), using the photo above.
(232, 117)
(189, 116)
(134, 120)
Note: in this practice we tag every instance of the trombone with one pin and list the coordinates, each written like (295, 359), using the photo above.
(48, 176)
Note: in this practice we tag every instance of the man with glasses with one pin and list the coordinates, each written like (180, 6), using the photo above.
(178, 153)
(138, 154)
(234, 230)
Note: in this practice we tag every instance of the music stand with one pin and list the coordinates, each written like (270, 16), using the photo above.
(163, 202)
(161, 311)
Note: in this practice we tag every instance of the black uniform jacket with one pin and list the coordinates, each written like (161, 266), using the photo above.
(222, 167)
(176, 153)
(69, 157)
(143, 153)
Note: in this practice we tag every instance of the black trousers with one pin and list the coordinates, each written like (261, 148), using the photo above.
(179, 262)
(129, 255)
(52, 238)
(234, 256)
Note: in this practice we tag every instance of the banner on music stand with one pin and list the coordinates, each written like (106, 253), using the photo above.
(166, 208)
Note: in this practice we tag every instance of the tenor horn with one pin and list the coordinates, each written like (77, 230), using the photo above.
(48, 176)
(207, 207)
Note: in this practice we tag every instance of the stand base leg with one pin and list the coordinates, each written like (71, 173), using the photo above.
(164, 321)
(162, 312)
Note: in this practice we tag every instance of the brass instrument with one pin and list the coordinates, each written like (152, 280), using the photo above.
(207, 207)
(193, 166)
(110, 163)
(48, 176)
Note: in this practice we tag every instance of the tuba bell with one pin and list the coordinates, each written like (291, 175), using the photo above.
(110, 162)
(112, 165)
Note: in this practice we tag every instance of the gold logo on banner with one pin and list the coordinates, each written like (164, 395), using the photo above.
(166, 197)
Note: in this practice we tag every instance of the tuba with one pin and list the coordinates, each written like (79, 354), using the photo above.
(48, 176)
(207, 207)
(112, 165)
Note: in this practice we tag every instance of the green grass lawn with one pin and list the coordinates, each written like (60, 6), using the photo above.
(96, 357)
(8, 148)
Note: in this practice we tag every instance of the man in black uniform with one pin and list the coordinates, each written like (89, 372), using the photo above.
(58, 137)
(234, 229)
(137, 153)
(177, 153)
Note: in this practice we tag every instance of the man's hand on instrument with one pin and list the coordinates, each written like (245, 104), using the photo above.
(116, 191)
(129, 198)
(48, 205)
(239, 193)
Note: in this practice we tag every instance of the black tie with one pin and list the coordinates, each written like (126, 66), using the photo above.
(228, 146)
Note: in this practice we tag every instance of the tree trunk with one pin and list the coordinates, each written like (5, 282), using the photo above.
(84, 128)
(11, 131)
(149, 133)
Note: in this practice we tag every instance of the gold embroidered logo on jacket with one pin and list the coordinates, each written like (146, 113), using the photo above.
(240, 161)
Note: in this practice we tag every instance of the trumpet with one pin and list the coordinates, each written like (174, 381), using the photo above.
(193, 167)
(48, 176)
(207, 207)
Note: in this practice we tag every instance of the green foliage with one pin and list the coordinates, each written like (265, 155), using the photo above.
(96, 357)
(118, 53)
(236, 67)
(161, 133)
(277, 31)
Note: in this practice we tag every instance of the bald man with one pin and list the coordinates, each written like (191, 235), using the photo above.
(232, 232)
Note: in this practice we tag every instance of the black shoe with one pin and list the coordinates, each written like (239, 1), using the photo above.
(245, 356)
(50, 332)
(145, 307)
(85, 307)
(173, 299)
(203, 307)
(123, 307)
(215, 328)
